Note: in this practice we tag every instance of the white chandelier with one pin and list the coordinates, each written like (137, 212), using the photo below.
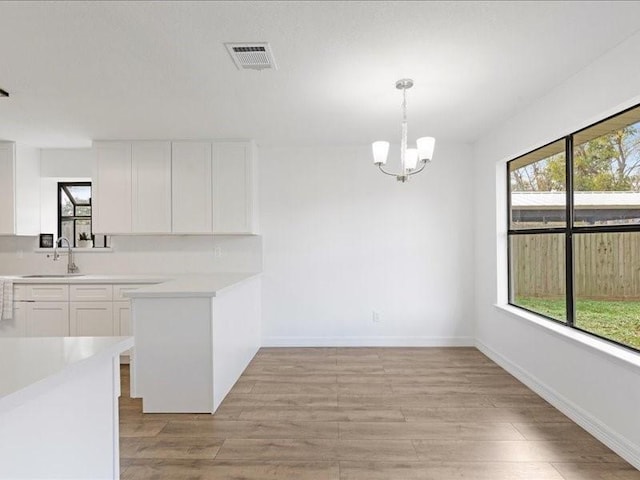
(409, 157)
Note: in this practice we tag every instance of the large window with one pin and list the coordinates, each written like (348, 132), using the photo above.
(574, 230)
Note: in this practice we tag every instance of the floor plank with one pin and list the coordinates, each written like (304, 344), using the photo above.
(317, 449)
(447, 471)
(429, 430)
(250, 429)
(243, 469)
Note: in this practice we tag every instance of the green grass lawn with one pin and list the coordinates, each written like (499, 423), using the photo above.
(619, 321)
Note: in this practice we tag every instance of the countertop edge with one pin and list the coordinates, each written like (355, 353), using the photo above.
(20, 396)
(196, 286)
(91, 279)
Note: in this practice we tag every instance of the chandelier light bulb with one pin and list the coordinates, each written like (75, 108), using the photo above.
(380, 152)
(425, 148)
(411, 158)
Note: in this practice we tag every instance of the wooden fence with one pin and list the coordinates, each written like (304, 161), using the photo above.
(607, 265)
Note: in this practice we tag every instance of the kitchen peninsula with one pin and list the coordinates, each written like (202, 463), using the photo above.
(59, 407)
(195, 335)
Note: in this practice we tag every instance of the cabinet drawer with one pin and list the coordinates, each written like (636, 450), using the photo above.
(49, 292)
(120, 290)
(20, 292)
(90, 293)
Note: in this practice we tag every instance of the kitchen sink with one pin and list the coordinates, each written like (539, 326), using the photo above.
(58, 275)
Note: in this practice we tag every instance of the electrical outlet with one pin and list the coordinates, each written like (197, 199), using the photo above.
(217, 251)
(375, 317)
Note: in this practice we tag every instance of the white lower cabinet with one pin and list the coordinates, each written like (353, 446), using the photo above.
(76, 310)
(47, 319)
(92, 319)
(43, 309)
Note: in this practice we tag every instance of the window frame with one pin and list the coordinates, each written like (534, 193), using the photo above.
(62, 187)
(569, 230)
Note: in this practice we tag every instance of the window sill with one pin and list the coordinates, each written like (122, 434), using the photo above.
(76, 250)
(612, 352)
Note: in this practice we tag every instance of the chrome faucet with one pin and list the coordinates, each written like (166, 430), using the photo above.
(71, 267)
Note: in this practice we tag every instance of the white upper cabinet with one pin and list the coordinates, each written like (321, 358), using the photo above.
(20, 187)
(111, 201)
(7, 187)
(234, 188)
(185, 187)
(191, 187)
(151, 187)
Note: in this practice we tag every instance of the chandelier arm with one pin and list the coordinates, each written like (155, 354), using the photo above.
(424, 164)
(387, 173)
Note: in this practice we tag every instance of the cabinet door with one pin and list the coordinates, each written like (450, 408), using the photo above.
(17, 325)
(92, 319)
(27, 190)
(234, 188)
(47, 319)
(122, 317)
(7, 187)
(112, 188)
(151, 187)
(191, 187)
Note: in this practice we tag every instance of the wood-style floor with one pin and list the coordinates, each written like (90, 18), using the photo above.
(366, 414)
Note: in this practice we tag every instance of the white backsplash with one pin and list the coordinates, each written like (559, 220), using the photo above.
(140, 255)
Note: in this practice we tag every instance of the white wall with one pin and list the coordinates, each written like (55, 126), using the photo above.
(600, 393)
(66, 162)
(342, 240)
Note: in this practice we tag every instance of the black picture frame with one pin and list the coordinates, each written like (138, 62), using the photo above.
(46, 240)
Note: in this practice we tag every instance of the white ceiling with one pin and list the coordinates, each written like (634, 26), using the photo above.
(80, 70)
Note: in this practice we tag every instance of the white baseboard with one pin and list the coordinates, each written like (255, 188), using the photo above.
(616, 442)
(368, 342)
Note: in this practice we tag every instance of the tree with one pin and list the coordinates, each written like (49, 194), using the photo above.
(546, 175)
(610, 162)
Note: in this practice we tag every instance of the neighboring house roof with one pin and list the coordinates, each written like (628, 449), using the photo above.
(552, 200)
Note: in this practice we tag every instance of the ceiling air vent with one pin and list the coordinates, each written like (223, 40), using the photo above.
(251, 56)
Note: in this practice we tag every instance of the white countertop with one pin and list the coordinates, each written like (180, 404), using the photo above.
(90, 278)
(29, 366)
(192, 286)
(177, 285)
